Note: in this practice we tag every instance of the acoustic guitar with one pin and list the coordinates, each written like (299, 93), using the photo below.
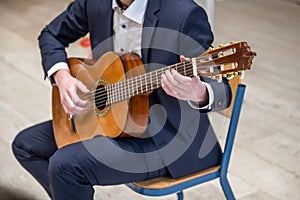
(120, 87)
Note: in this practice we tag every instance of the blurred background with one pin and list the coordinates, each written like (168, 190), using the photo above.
(266, 157)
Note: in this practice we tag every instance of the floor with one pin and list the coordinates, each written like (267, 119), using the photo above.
(266, 157)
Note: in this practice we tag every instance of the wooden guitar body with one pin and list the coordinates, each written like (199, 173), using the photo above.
(123, 118)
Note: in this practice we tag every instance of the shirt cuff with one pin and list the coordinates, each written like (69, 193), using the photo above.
(55, 68)
(211, 98)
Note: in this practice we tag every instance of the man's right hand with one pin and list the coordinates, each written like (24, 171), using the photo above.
(68, 87)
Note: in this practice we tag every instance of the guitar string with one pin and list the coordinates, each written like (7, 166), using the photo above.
(103, 98)
(124, 85)
(201, 57)
(207, 58)
(103, 101)
(121, 86)
(147, 79)
(120, 92)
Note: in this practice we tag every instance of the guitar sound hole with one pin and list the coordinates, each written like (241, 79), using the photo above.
(100, 97)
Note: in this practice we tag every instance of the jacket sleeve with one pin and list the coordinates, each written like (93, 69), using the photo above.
(66, 28)
(196, 38)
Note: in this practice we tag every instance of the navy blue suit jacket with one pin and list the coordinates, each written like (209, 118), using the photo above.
(182, 135)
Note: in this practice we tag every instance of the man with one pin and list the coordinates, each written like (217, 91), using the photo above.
(179, 139)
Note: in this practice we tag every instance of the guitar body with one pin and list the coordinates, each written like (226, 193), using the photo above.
(122, 119)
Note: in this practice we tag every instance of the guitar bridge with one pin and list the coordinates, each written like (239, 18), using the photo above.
(72, 124)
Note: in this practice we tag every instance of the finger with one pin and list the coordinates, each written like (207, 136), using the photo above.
(72, 108)
(171, 89)
(170, 81)
(180, 78)
(67, 111)
(67, 104)
(184, 83)
(73, 104)
(81, 87)
(79, 110)
(78, 102)
(183, 58)
(168, 90)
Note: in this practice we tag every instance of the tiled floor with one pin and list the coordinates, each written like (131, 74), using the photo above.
(266, 158)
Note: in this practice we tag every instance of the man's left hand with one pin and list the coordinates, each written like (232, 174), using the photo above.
(184, 87)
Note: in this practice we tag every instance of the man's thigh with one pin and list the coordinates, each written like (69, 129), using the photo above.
(106, 161)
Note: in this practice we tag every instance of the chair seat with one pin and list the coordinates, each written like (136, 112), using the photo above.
(166, 182)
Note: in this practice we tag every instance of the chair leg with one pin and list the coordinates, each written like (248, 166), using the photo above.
(180, 195)
(226, 188)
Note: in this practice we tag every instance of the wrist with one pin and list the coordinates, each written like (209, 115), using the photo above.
(203, 98)
(60, 75)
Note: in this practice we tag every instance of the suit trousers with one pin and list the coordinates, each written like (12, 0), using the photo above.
(71, 171)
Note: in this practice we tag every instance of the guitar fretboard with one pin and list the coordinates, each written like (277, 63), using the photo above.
(143, 83)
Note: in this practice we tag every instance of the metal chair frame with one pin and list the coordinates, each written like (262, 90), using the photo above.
(221, 173)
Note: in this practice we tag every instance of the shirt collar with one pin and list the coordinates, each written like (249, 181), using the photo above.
(135, 11)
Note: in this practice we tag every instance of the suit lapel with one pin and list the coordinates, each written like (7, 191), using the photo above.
(101, 24)
(150, 21)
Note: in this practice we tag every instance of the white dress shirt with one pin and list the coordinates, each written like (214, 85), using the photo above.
(128, 26)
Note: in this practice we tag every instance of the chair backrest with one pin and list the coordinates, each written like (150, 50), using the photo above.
(234, 82)
(233, 112)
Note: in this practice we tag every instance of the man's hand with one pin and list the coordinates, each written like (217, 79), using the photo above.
(68, 87)
(183, 87)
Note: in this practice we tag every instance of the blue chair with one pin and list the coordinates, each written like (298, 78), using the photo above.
(166, 185)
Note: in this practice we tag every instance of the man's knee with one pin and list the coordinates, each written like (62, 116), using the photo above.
(65, 165)
(21, 148)
(62, 163)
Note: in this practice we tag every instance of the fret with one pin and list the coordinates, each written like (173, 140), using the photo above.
(122, 91)
(130, 89)
(117, 92)
(140, 84)
(146, 83)
(107, 93)
(112, 94)
(136, 85)
(126, 90)
(151, 83)
(156, 78)
(162, 71)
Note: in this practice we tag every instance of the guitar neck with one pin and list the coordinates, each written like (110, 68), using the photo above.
(224, 61)
(144, 83)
